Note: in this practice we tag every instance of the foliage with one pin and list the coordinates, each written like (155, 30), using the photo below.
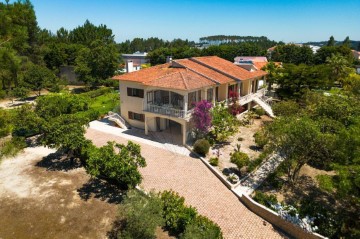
(326, 51)
(97, 92)
(5, 123)
(201, 118)
(53, 105)
(177, 216)
(259, 111)
(11, 147)
(265, 199)
(293, 54)
(214, 161)
(256, 162)
(260, 139)
(339, 66)
(201, 146)
(65, 132)
(286, 108)
(240, 159)
(223, 123)
(295, 80)
(202, 228)
(27, 122)
(117, 163)
(38, 78)
(140, 215)
(325, 182)
(299, 141)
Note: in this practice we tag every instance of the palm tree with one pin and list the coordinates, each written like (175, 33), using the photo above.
(339, 67)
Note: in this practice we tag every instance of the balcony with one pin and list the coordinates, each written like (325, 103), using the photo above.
(169, 110)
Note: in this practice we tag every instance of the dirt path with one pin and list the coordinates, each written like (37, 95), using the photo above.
(51, 198)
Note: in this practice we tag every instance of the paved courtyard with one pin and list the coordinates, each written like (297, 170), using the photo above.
(190, 178)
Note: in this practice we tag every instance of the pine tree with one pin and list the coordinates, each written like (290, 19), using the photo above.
(331, 41)
(347, 42)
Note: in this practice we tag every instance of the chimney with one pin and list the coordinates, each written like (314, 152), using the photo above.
(168, 59)
(129, 66)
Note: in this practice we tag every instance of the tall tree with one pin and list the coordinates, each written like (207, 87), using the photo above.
(38, 78)
(347, 42)
(331, 41)
(339, 67)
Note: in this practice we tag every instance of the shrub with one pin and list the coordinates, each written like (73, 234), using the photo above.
(259, 111)
(140, 214)
(265, 199)
(201, 146)
(233, 178)
(325, 182)
(201, 118)
(202, 228)
(177, 216)
(240, 139)
(260, 139)
(214, 161)
(286, 108)
(240, 159)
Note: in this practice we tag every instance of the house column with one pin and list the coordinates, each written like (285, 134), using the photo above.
(214, 95)
(146, 126)
(238, 89)
(186, 102)
(226, 93)
(183, 129)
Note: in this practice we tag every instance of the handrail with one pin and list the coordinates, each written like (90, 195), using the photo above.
(117, 116)
(166, 110)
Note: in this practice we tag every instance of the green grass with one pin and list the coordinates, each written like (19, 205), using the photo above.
(325, 183)
(105, 103)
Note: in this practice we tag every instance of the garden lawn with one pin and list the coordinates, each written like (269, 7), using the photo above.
(105, 103)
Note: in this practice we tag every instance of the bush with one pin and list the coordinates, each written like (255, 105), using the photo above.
(286, 108)
(240, 159)
(214, 161)
(177, 216)
(325, 182)
(240, 139)
(202, 146)
(265, 199)
(260, 139)
(140, 214)
(259, 111)
(202, 228)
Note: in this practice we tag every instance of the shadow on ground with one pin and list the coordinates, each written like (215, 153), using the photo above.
(100, 189)
(58, 162)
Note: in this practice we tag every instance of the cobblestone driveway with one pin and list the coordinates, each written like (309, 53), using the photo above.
(190, 178)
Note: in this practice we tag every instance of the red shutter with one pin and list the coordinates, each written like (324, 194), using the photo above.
(142, 117)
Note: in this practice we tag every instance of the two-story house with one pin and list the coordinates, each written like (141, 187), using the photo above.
(162, 96)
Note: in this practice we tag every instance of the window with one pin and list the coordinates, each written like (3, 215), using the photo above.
(135, 92)
(191, 100)
(210, 93)
(136, 116)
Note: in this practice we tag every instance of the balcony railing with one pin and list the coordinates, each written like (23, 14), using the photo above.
(249, 97)
(167, 110)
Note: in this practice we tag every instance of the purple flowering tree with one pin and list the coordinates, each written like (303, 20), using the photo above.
(201, 118)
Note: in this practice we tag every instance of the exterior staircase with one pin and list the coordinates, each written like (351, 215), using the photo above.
(263, 104)
(116, 118)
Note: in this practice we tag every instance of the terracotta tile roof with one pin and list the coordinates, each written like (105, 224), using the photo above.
(204, 71)
(183, 80)
(228, 68)
(148, 74)
(188, 74)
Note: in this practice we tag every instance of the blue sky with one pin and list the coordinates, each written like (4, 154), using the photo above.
(285, 20)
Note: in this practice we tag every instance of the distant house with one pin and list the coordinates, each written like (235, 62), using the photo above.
(162, 97)
(134, 61)
(356, 54)
(251, 63)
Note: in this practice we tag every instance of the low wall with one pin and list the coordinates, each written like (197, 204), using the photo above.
(276, 220)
